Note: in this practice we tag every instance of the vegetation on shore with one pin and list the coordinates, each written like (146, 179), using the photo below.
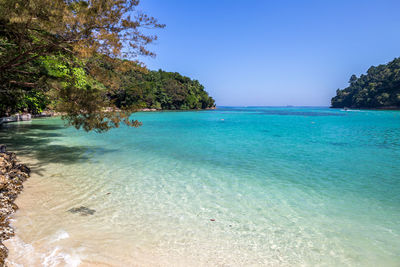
(160, 90)
(79, 57)
(379, 88)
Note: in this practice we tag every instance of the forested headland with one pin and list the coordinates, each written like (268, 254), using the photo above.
(378, 89)
(80, 58)
(160, 90)
(138, 88)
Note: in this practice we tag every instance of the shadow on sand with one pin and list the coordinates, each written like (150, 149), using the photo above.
(34, 141)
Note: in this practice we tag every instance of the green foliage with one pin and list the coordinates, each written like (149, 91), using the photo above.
(379, 88)
(46, 47)
(32, 101)
(65, 55)
(67, 72)
(23, 89)
(161, 90)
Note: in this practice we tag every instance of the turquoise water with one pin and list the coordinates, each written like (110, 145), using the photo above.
(227, 187)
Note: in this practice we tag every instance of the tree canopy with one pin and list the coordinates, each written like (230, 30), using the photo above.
(160, 90)
(49, 51)
(379, 88)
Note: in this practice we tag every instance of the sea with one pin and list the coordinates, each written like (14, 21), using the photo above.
(235, 186)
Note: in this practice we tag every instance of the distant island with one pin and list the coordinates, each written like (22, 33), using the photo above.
(378, 89)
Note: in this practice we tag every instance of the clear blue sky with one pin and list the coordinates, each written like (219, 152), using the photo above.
(261, 52)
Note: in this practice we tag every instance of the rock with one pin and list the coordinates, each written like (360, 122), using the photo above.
(9, 119)
(25, 117)
(12, 157)
(23, 168)
(16, 117)
(3, 182)
(148, 109)
(48, 113)
(6, 232)
(84, 211)
(3, 253)
(12, 175)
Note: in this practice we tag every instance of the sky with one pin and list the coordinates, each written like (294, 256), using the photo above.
(273, 53)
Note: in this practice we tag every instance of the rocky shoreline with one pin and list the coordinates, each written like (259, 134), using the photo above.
(27, 116)
(12, 175)
(50, 113)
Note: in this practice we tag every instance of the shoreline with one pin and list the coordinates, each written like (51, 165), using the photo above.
(12, 175)
(28, 116)
(376, 109)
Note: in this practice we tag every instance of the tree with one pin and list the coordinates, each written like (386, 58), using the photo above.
(379, 88)
(159, 90)
(353, 78)
(77, 33)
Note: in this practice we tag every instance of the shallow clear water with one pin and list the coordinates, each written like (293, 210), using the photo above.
(229, 187)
